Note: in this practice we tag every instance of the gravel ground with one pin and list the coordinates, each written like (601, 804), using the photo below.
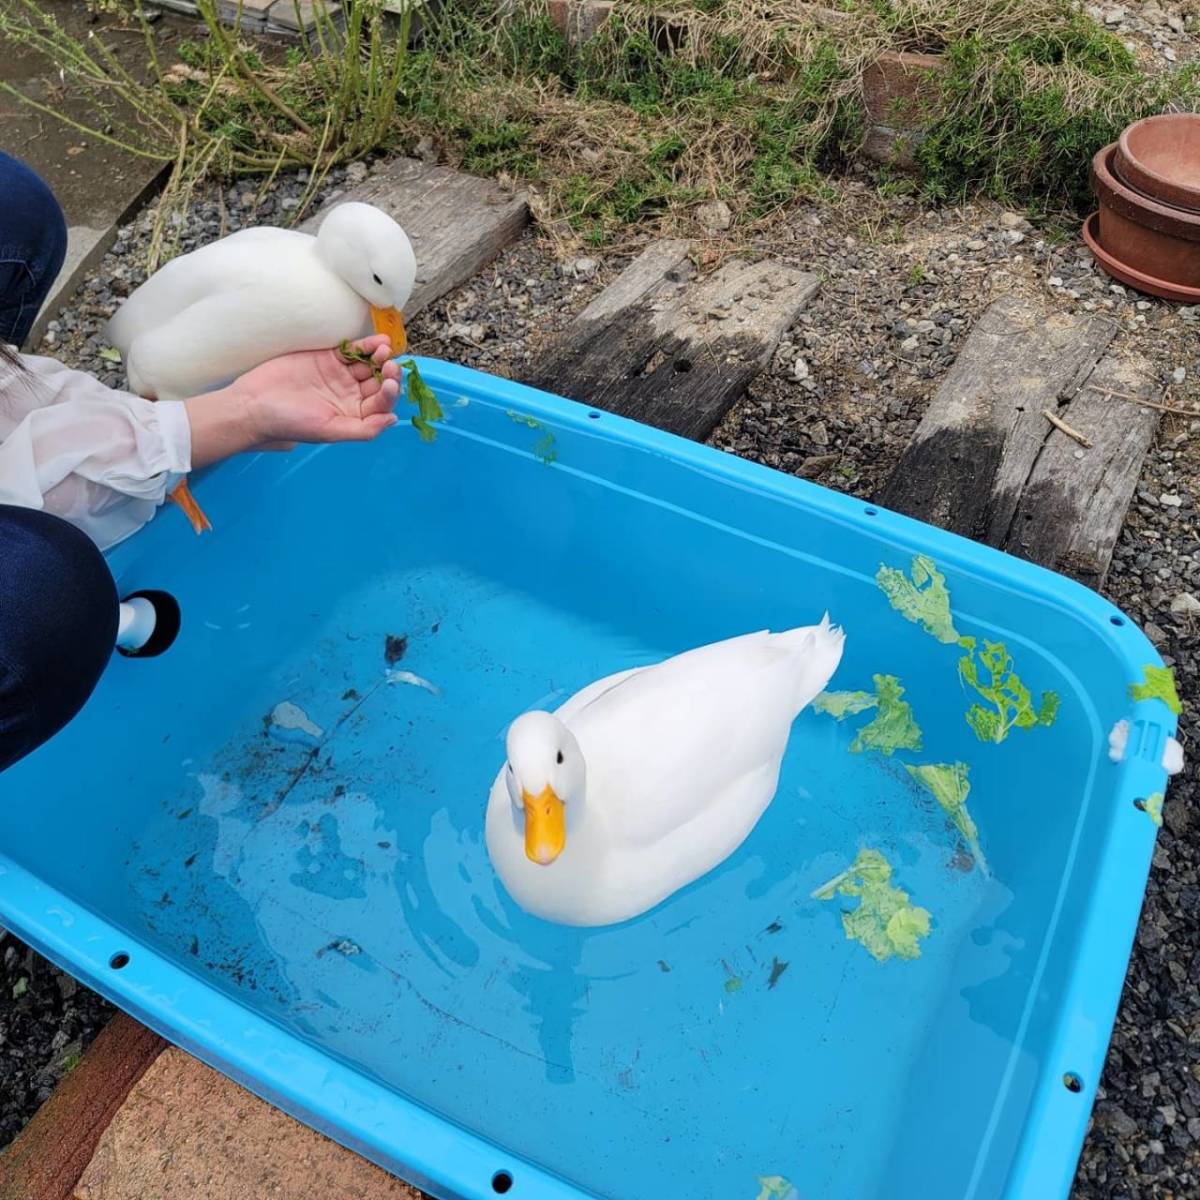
(903, 285)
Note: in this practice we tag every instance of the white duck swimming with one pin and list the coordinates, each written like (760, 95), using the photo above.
(644, 781)
(208, 316)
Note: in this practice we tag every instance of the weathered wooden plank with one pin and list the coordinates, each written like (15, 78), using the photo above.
(457, 223)
(985, 461)
(675, 355)
(1073, 505)
(51, 1152)
(186, 1131)
(977, 443)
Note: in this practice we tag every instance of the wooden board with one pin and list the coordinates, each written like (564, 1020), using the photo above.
(987, 463)
(671, 352)
(186, 1131)
(457, 223)
(52, 1151)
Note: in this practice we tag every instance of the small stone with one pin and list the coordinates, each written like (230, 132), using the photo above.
(1155, 633)
(715, 216)
(1170, 500)
(1114, 16)
(1055, 281)
(910, 344)
(976, 244)
(1144, 306)
(1168, 54)
(800, 369)
(1179, 374)
(819, 434)
(584, 268)
(247, 200)
(1013, 220)
(356, 172)
(1176, 23)
(1185, 605)
(1189, 312)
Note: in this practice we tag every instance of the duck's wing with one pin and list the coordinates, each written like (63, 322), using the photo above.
(678, 737)
(247, 258)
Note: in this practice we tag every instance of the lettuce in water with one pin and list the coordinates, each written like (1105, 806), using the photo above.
(893, 727)
(1011, 705)
(923, 599)
(884, 923)
(949, 786)
(775, 1187)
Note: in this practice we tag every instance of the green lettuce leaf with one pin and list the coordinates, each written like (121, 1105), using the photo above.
(841, 705)
(893, 727)
(997, 683)
(949, 786)
(1158, 684)
(419, 393)
(884, 923)
(546, 447)
(924, 598)
(1154, 806)
(775, 1187)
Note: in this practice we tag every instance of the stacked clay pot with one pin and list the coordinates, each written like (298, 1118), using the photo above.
(1147, 231)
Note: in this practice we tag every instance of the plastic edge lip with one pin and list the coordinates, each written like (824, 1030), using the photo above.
(345, 1105)
(453, 1164)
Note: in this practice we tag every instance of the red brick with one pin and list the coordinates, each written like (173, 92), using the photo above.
(898, 88)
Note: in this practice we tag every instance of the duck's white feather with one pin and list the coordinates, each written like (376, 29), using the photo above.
(211, 315)
(682, 759)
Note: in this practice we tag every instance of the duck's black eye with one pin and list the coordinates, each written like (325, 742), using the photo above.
(377, 280)
(560, 758)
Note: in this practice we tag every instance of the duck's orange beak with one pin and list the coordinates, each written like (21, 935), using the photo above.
(545, 827)
(183, 497)
(391, 322)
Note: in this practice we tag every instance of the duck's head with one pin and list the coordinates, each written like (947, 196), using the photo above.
(546, 778)
(373, 255)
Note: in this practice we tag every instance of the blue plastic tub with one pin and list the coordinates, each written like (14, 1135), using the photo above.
(301, 896)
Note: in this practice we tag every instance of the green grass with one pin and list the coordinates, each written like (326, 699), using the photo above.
(751, 103)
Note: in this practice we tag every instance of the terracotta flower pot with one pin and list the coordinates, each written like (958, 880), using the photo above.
(1160, 157)
(1156, 241)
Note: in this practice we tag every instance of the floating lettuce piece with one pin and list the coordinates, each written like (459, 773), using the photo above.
(775, 1187)
(924, 598)
(1153, 808)
(733, 985)
(1158, 684)
(893, 727)
(545, 449)
(418, 392)
(996, 682)
(841, 705)
(950, 787)
(885, 923)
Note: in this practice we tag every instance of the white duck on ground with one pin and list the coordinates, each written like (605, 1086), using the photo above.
(646, 780)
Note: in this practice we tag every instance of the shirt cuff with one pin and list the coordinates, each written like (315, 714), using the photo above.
(176, 434)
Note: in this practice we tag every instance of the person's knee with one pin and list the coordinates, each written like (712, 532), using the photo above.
(58, 625)
(33, 245)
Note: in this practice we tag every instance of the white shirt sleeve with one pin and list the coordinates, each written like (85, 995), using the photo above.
(102, 459)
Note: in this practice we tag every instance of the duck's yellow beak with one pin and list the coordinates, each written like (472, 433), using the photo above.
(545, 827)
(391, 322)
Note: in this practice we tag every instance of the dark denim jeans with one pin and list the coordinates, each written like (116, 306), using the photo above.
(33, 243)
(58, 602)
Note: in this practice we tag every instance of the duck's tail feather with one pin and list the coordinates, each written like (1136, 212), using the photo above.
(815, 651)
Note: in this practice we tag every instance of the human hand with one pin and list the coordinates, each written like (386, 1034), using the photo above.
(318, 396)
